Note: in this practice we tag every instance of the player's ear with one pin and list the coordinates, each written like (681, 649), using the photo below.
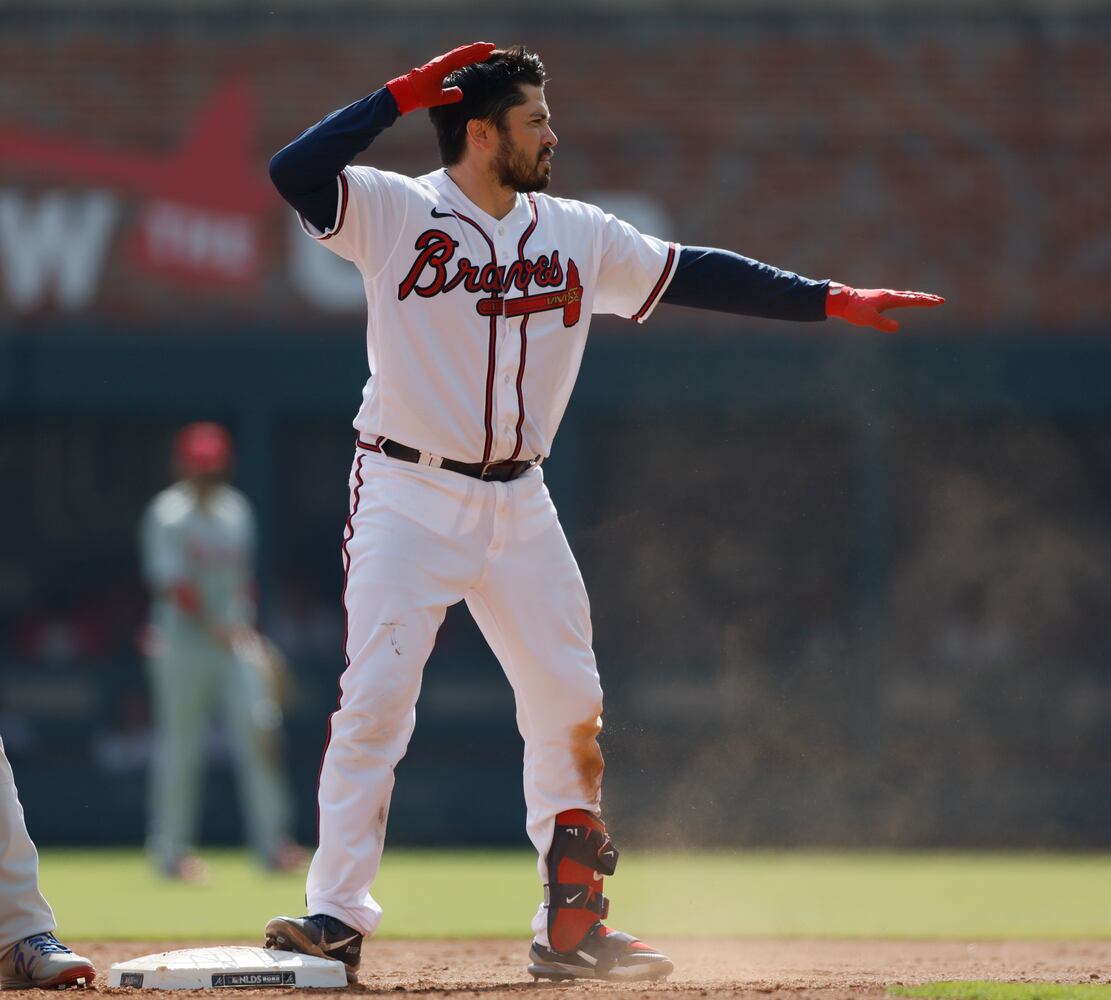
(481, 132)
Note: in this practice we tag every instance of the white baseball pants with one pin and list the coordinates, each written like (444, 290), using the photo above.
(418, 540)
(23, 910)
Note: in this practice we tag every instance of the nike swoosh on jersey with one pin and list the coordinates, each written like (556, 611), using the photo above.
(442, 215)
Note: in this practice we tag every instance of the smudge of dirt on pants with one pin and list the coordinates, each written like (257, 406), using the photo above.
(587, 756)
(395, 640)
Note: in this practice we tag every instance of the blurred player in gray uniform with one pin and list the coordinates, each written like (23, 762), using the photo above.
(30, 954)
(198, 540)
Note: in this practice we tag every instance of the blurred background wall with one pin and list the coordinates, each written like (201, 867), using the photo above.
(847, 589)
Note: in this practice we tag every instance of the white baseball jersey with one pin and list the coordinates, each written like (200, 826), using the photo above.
(476, 326)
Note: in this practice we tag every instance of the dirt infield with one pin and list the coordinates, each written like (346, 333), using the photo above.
(794, 969)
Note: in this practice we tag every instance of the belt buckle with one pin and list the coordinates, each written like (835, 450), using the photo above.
(485, 469)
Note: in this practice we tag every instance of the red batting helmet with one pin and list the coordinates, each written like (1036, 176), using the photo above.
(203, 448)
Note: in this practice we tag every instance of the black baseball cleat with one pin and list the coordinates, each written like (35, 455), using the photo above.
(602, 954)
(320, 935)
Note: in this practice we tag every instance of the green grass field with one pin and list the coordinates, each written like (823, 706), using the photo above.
(116, 895)
(1004, 991)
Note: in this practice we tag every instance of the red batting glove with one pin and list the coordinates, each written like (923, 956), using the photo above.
(423, 87)
(865, 306)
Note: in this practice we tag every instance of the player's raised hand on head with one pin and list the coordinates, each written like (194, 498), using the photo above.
(423, 87)
(866, 306)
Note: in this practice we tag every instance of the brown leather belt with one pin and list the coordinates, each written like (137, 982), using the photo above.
(490, 472)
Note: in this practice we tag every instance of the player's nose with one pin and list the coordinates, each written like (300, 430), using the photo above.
(551, 140)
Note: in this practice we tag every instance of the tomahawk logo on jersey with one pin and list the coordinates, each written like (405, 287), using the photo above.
(517, 292)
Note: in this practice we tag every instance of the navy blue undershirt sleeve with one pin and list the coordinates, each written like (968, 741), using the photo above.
(706, 278)
(305, 171)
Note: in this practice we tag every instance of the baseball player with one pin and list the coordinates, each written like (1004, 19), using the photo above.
(30, 954)
(197, 540)
(480, 290)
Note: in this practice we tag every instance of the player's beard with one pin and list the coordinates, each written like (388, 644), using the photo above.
(518, 170)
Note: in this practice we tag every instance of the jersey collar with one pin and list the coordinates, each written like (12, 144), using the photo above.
(441, 180)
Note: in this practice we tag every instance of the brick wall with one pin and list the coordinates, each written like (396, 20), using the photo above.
(964, 155)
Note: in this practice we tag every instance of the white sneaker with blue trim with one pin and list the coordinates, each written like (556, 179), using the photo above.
(41, 961)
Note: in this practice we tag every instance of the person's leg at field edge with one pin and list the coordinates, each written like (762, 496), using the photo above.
(30, 954)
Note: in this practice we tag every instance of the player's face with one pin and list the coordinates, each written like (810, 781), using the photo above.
(523, 158)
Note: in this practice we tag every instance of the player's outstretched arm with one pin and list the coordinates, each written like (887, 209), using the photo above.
(305, 171)
(707, 278)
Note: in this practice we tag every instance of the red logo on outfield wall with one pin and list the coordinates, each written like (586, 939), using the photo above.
(194, 212)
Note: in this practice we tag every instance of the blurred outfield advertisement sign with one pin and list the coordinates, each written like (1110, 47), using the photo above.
(98, 221)
(190, 218)
(967, 157)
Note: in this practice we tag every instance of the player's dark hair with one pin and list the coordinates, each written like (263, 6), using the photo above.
(490, 89)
